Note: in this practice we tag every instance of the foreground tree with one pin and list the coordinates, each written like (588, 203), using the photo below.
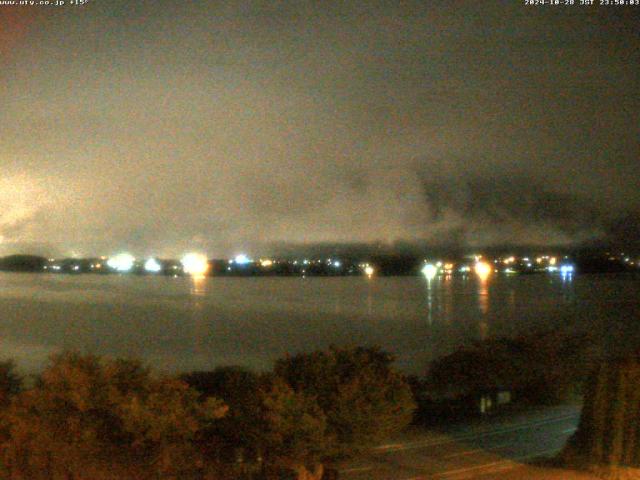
(268, 429)
(294, 432)
(237, 435)
(91, 418)
(311, 409)
(363, 398)
(609, 430)
(544, 367)
(163, 423)
(10, 382)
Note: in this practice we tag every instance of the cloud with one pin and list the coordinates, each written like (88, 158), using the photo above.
(173, 127)
(513, 209)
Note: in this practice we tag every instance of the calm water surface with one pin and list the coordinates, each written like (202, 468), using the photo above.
(178, 324)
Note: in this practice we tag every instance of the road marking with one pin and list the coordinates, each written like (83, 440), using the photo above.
(458, 471)
(389, 445)
(462, 454)
(356, 469)
(477, 450)
(493, 466)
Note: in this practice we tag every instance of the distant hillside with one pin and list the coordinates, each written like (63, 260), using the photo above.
(22, 263)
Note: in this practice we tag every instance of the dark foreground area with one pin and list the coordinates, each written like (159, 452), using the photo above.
(96, 418)
(496, 446)
(319, 415)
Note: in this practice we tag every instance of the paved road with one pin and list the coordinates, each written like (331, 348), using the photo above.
(475, 450)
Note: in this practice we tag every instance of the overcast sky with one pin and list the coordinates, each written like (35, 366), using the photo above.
(160, 127)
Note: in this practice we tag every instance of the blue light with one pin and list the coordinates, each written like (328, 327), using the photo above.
(242, 259)
(567, 269)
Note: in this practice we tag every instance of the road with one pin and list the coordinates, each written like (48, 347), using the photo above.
(487, 448)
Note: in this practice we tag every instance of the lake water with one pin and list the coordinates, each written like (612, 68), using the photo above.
(179, 324)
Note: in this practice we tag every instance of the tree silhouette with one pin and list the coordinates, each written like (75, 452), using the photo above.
(609, 429)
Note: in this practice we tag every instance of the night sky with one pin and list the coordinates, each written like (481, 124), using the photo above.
(160, 127)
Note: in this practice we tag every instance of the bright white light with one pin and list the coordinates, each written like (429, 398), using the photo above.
(566, 269)
(242, 259)
(337, 264)
(122, 262)
(266, 263)
(552, 268)
(194, 264)
(152, 266)
(369, 270)
(430, 271)
(483, 270)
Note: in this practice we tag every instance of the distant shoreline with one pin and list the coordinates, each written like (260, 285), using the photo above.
(334, 266)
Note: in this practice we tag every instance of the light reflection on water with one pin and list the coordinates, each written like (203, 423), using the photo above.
(188, 323)
(430, 288)
(198, 285)
(198, 290)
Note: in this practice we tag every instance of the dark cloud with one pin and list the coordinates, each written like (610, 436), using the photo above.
(623, 232)
(513, 202)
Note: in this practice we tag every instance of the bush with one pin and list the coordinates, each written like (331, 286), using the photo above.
(10, 382)
(546, 367)
(363, 398)
(239, 431)
(87, 417)
(313, 408)
(294, 430)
